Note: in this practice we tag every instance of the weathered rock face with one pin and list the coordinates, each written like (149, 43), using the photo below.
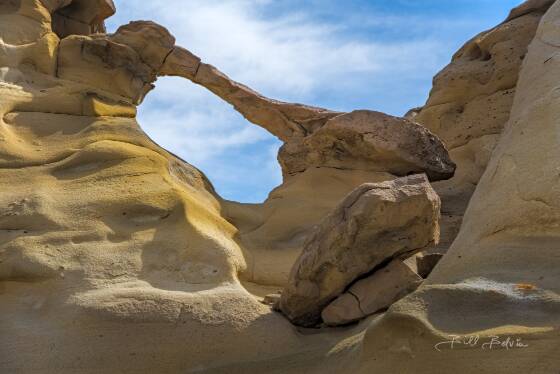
(500, 277)
(114, 253)
(114, 247)
(326, 154)
(375, 223)
(125, 63)
(27, 38)
(470, 103)
(180, 63)
(79, 17)
(104, 234)
(372, 294)
(273, 233)
(371, 141)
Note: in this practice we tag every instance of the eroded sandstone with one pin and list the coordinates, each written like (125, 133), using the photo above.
(470, 102)
(372, 294)
(371, 226)
(114, 252)
(370, 141)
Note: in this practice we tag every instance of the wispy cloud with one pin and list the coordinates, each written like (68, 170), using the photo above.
(290, 54)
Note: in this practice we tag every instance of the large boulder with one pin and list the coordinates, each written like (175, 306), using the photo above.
(369, 140)
(113, 250)
(372, 225)
(326, 154)
(372, 294)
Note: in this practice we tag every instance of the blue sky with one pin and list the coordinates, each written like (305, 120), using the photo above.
(343, 55)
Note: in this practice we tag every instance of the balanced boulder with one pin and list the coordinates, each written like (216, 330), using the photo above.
(375, 223)
(372, 294)
(369, 140)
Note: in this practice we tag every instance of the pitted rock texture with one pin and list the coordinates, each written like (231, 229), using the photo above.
(117, 256)
(370, 141)
(104, 234)
(470, 103)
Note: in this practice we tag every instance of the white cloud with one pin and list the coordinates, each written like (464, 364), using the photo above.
(201, 128)
(290, 56)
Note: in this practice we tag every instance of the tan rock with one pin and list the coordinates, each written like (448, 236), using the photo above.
(181, 63)
(285, 120)
(152, 42)
(104, 64)
(39, 55)
(316, 137)
(529, 7)
(271, 299)
(372, 141)
(374, 223)
(274, 232)
(125, 63)
(113, 252)
(80, 17)
(107, 241)
(97, 106)
(27, 40)
(372, 294)
(471, 101)
(343, 310)
(500, 277)
(23, 21)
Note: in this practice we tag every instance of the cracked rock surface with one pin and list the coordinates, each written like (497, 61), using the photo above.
(372, 294)
(375, 223)
(117, 256)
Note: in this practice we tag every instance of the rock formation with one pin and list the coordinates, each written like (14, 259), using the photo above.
(470, 103)
(373, 225)
(372, 294)
(370, 141)
(117, 256)
(499, 279)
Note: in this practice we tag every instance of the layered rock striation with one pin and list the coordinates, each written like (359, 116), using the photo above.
(470, 103)
(117, 256)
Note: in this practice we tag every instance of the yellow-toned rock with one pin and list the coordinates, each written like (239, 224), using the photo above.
(499, 280)
(471, 101)
(117, 256)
